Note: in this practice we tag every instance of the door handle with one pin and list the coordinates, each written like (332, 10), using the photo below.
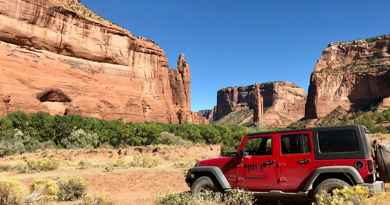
(268, 163)
(304, 161)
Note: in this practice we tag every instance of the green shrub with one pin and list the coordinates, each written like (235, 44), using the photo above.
(171, 139)
(11, 192)
(346, 196)
(21, 132)
(71, 188)
(79, 138)
(15, 142)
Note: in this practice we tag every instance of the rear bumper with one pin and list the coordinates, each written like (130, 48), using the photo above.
(378, 186)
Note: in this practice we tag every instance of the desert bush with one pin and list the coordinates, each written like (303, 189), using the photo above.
(95, 200)
(43, 191)
(186, 199)
(238, 197)
(346, 196)
(14, 141)
(79, 138)
(171, 139)
(120, 163)
(11, 192)
(37, 165)
(234, 197)
(144, 161)
(71, 188)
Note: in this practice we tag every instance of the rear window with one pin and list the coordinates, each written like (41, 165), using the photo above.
(337, 141)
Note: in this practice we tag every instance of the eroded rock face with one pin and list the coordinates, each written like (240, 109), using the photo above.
(207, 114)
(104, 70)
(275, 104)
(351, 76)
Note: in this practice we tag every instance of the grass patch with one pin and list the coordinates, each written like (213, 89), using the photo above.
(43, 191)
(11, 192)
(37, 165)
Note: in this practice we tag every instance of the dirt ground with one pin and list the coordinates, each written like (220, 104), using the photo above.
(108, 174)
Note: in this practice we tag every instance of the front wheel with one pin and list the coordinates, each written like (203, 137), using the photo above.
(327, 187)
(203, 185)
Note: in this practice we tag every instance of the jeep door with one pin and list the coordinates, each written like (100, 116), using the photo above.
(295, 160)
(257, 170)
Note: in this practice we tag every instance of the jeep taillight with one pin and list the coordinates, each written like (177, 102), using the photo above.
(370, 165)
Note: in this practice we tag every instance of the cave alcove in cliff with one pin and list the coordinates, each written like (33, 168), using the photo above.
(53, 95)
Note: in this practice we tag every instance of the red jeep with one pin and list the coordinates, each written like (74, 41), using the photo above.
(292, 163)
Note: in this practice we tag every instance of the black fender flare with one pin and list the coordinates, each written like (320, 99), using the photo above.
(216, 172)
(350, 172)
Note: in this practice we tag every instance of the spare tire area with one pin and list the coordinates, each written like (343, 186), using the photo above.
(382, 155)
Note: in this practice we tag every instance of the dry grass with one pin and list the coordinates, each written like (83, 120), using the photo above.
(136, 175)
(130, 178)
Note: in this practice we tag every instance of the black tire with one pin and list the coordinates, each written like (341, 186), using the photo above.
(202, 185)
(328, 186)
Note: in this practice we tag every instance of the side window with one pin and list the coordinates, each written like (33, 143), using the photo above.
(338, 141)
(295, 144)
(259, 146)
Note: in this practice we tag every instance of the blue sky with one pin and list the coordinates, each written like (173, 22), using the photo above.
(231, 42)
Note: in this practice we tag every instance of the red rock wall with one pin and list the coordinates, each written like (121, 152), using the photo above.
(282, 103)
(350, 76)
(106, 71)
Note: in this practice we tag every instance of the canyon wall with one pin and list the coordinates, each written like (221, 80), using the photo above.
(57, 56)
(274, 104)
(351, 76)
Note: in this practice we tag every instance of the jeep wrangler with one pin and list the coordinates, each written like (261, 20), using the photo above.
(292, 163)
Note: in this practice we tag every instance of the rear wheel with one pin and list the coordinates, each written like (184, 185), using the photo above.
(203, 185)
(327, 186)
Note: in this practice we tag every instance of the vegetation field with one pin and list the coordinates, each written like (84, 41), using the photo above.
(85, 161)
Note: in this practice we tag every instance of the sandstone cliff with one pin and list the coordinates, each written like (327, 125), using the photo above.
(275, 104)
(83, 64)
(350, 76)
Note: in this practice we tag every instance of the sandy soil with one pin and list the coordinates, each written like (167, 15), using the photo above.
(122, 185)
